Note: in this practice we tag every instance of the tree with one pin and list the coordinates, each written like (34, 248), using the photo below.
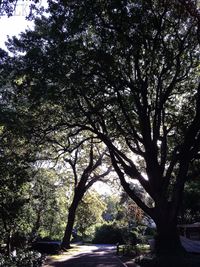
(25, 192)
(89, 213)
(85, 160)
(132, 213)
(45, 212)
(124, 71)
(8, 7)
(15, 174)
(112, 211)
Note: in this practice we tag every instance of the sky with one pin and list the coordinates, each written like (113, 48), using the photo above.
(17, 23)
(12, 26)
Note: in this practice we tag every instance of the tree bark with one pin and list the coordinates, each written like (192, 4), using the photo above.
(70, 223)
(78, 195)
(8, 243)
(167, 239)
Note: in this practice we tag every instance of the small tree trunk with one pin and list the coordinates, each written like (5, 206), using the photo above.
(70, 223)
(8, 244)
(36, 227)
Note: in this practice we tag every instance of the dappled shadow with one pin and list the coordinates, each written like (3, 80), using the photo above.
(98, 257)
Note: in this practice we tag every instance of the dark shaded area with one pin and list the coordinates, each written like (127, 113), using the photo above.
(190, 260)
(45, 247)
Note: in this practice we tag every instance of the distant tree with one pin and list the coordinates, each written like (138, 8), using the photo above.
(45, 211)
(131, 213)
(89, 213)
(112, 210)
(89, 164)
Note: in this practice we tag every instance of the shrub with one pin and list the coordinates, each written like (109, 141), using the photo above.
(108, 233)
(150, 231)
(23, 258)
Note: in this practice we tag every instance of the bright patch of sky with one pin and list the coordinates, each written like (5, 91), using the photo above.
(104, 189)
(12, 26)
(17, 23)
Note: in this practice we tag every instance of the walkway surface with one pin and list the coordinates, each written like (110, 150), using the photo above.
(87, 256)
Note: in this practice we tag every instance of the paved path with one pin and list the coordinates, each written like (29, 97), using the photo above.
(89, 256)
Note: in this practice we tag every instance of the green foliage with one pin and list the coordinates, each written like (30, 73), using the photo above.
(138, 234)
(46, 211)
(190, 209)
(108, 233)
(113, 208)
(15, 175)
(23, 258)
(150, 232)
(89, 213)
(32, 201)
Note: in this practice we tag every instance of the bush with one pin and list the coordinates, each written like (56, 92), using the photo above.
(23, 258)
(108, 233)
(134, 235)
(150, 231)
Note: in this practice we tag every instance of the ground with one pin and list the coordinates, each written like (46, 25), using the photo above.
(105, 256)
(88, 256)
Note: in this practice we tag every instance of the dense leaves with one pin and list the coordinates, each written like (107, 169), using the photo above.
(89, 213)
(108, 233)
(23, 259)
(190, 208)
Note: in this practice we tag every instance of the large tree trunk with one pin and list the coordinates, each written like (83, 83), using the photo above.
(167, 240)
(78, 195)
(69, 227)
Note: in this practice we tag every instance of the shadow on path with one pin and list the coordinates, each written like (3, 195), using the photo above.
(99, 256)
